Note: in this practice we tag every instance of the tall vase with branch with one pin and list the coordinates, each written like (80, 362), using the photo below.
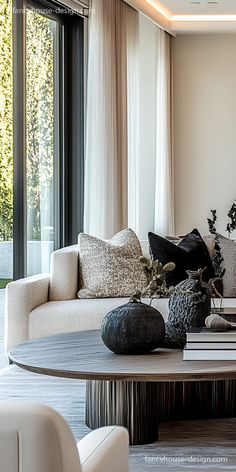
(175, 327)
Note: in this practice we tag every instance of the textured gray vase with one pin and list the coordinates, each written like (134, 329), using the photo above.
(133, 328)
(189, 306)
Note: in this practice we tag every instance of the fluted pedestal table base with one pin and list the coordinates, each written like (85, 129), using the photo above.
(130, 404)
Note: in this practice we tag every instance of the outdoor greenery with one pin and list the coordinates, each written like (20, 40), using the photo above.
(39, 122)
(6, 122)
(4, 282)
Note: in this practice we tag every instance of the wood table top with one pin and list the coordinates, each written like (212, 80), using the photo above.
(83, 355)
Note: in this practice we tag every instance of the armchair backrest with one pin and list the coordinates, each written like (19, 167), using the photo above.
(34, 438)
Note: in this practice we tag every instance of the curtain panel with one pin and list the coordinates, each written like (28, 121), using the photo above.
(150, 156)
(112, 31)
(128, 155)
(164, 184)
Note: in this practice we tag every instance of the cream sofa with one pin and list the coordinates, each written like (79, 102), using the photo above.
(44, 305)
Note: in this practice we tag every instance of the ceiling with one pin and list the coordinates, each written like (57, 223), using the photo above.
(190, 16)
(199, 7)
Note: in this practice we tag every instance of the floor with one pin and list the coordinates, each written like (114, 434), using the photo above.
(208, 445)
(192, 446)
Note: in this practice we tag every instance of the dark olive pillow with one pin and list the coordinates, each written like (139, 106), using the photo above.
(190, 254)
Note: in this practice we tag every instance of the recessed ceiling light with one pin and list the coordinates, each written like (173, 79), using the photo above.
(195, 3)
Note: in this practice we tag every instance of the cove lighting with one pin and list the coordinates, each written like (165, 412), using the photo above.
(160, 8)
(203, 18)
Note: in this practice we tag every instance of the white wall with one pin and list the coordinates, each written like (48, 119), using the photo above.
(204, 128)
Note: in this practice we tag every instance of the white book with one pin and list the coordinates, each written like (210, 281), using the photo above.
(209, 355)
(209, 335)
(210, 345)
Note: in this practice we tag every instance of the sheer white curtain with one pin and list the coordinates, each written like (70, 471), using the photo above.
(151, 200)
(129, 162)
(164, 184)
(133, 121)
(111, 34)
(142, 131)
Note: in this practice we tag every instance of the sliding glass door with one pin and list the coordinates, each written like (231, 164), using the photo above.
(6, 144)
(48, 132)
(43, 37)
(39, 134)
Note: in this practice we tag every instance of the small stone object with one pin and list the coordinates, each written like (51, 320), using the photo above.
(133, 328)
(216, 322)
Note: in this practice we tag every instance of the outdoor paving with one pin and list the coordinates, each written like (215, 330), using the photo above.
(2, 306)
(3, 359)
(2, 309)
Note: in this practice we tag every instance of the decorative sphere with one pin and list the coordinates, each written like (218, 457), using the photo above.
(133, 328)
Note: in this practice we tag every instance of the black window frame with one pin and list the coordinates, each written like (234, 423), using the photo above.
(69, 178)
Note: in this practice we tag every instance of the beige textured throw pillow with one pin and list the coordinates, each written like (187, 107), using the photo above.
(110, 268)
(228, 251)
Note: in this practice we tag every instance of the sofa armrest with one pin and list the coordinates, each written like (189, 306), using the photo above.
(64, 278)
(105, 450)
(22, 296)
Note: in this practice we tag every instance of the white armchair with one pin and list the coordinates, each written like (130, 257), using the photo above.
(34, 438)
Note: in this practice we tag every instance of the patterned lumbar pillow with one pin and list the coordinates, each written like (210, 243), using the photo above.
(110, 268)
(228, 251)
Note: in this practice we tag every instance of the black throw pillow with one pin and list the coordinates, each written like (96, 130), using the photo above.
(190, 254)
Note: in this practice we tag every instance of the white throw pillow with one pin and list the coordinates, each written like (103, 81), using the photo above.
(110, 268)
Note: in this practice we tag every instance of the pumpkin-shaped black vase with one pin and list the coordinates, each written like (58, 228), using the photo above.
(133, 328)
(189, 306)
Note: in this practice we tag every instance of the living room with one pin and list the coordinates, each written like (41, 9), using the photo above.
(117, 235)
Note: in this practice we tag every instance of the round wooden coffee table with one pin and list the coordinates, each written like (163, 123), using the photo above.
(120, 390)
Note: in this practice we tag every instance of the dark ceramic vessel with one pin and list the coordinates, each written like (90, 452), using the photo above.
(133, 328)
(189, 306)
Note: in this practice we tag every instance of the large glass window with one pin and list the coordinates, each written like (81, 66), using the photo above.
(42, 84)
(6, 144)
(41, 134)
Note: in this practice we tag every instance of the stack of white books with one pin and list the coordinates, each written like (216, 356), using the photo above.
(204, 344)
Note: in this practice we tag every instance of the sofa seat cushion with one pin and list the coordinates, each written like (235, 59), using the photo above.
(77, 315)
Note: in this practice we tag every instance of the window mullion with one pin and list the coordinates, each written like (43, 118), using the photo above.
(19, 147)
